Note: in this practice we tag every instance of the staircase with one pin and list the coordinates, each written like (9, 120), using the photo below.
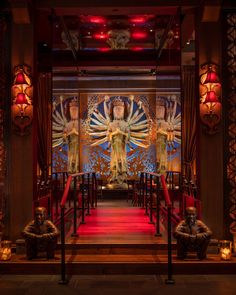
(118, 239)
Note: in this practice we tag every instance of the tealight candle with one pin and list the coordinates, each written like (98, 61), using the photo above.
(225, 250)
(5, 250)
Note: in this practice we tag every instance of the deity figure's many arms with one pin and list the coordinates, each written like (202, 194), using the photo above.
(120, 126)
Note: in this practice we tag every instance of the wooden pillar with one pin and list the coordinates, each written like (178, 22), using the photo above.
(210, 146)
(21, 146)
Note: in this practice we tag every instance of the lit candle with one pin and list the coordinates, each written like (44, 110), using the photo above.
(5, 254)
(225, 250)
(225, 253)
(5, 250)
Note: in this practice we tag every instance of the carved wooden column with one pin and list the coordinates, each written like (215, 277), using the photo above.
(21, 146)
(210, 146)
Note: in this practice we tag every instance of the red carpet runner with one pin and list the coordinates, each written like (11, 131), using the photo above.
(126, 224)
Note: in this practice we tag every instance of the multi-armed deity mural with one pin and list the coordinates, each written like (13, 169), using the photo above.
(65, 135)
(116, 135)
(122, 126)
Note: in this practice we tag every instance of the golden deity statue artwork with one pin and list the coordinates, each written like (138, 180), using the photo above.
(121, 125)
(168, 117)
(65, 127)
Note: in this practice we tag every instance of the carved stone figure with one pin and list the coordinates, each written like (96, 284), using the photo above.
(120, 125)
(40, 235)
(118, 134)
(71, 136)
(192, 235)
(118, 39)
(65, 127)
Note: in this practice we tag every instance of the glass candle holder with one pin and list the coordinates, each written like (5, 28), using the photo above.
(225, 249)
(5, 250)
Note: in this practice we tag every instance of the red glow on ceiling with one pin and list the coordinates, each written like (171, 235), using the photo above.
(101, 36)
(139, 35)
(97, 19)
(137, 48)
(138, 19)
(104, 49)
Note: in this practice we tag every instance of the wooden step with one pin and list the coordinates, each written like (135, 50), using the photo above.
(117, 264)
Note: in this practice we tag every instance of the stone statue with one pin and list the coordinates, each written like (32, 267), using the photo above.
(118, 134)
(71, 137)
(121, 126)
(192, 235)
(118, 39)
(65, 128)
(40, 235)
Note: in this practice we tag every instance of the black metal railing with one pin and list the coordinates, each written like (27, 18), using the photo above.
(83, 186)
(154, 185)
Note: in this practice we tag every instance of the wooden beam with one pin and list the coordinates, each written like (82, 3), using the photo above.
(20, 11)
(211, 13)
(187, 27)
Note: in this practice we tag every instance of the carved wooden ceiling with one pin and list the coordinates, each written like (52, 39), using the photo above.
(85, 35)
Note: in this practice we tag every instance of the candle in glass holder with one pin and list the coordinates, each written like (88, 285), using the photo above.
(5, 250)
(225, 250)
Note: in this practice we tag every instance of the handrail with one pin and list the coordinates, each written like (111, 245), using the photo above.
(165, 190)
(144, 178)
(66, 191)
(63, 279)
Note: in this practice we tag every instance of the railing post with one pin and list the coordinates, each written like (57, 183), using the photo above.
(92, 193)
(157, 233)
(88, 194)
(146, 193)
(56, 193)
(95, 188)
(83, 207)
(141, 190)
(150, 199)
(169, 280)
(63, 280)
(75, 234)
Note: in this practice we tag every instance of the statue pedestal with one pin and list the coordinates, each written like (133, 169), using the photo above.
(117, 186)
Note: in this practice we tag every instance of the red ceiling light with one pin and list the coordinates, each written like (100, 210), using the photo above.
(101, 36)
(138, 19)
(104, 49)
(139, 35)
(97, 19)
(136, 48)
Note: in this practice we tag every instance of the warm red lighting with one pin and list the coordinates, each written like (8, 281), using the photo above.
(139, 35)
(97, 20)
(211, 97)
(104, 49)
(211, 77)
(21, 99)
(137, 48)
(138, 19)
(20, 79)
(100, 36)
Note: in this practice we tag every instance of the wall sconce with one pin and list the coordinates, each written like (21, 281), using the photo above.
(22, 108)
(210, 92)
